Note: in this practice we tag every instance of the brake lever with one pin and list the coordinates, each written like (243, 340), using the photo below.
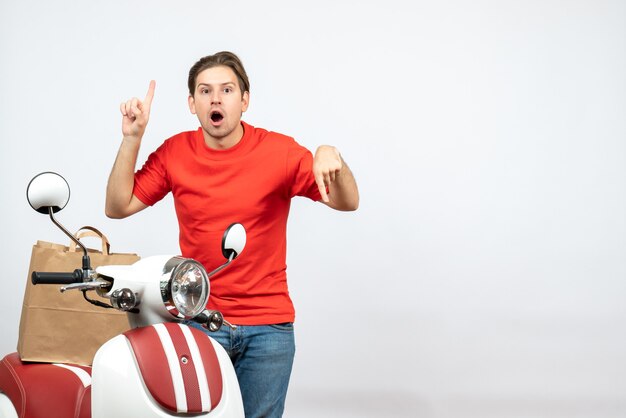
(84, 286)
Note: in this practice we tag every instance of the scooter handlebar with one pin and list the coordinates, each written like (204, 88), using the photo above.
(57, 278)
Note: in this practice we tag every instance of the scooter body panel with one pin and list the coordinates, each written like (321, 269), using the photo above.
(119, 389)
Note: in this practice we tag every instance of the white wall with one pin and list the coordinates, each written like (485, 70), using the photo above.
(484, 273)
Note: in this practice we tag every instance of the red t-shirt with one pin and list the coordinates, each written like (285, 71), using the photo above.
(251, 183)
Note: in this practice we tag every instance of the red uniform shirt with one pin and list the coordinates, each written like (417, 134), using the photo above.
(251, 183)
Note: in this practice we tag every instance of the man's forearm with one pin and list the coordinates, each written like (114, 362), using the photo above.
(121, 180)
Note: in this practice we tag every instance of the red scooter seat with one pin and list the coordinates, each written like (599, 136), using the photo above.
(40, 390)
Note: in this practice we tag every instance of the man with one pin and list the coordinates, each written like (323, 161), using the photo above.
(229, 171)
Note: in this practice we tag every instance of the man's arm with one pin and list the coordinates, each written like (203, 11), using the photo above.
(120, 201)
(330, 170)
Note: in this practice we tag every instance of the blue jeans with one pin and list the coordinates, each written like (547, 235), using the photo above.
(263, 357)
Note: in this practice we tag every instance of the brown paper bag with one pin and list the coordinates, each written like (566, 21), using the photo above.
(60, 327)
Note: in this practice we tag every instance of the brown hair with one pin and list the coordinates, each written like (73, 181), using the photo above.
(225, 58)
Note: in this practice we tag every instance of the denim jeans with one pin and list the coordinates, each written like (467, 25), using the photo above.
(263, 357)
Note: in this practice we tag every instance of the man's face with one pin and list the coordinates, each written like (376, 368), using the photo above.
(218, 103)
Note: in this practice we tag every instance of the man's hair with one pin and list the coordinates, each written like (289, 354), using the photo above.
(225, 58)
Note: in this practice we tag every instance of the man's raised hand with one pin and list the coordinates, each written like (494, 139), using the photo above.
(135, 114)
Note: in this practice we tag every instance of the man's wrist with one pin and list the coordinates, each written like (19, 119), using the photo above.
(131, 140)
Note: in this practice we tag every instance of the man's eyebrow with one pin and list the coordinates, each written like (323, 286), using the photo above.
(226, 83)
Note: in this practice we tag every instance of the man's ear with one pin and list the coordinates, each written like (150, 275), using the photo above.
(245, 101)
(192, 104)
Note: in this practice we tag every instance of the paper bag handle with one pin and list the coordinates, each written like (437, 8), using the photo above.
(90, 231)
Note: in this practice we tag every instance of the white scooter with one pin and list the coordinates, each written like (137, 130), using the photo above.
(160, 368)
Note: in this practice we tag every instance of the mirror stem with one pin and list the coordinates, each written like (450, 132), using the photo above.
(86, 262)
(220, 268)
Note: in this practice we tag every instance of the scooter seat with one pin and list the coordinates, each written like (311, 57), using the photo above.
(47, 390)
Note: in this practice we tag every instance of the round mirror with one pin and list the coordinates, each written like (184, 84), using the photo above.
(234, 241)
(48, 190)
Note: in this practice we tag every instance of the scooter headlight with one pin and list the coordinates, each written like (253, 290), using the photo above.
(186, 292)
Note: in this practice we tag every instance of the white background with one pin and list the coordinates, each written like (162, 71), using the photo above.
(484, 273)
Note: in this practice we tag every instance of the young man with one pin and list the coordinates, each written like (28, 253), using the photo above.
(229, 171)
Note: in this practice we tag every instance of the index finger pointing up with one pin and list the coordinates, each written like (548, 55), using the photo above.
(150, 95)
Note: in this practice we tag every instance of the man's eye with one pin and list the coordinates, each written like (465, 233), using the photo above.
(228, 90)
(204, 91)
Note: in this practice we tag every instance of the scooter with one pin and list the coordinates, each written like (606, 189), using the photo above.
(160, 367)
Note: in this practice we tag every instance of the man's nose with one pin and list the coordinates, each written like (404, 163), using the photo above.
(216, 98)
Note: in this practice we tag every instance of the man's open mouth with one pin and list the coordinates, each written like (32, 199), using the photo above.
(216, 116)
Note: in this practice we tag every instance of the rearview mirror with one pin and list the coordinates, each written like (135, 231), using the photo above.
(234, 241)
(47, 191)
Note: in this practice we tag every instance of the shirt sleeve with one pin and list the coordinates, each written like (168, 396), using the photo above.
(300, 173)
(152, 181)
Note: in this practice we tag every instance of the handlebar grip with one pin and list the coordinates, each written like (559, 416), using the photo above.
(57, 278)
